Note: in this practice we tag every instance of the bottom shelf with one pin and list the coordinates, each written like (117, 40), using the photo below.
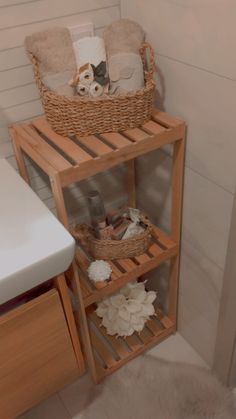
(111, 353)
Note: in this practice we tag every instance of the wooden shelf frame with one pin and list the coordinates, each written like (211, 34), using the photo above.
(68, 160)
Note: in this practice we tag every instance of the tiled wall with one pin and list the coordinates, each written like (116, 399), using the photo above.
(19, 99)
(194, 43)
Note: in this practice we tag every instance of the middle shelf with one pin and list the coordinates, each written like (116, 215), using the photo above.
(161, 249)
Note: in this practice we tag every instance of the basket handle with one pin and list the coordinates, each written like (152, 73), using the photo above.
(151, 67)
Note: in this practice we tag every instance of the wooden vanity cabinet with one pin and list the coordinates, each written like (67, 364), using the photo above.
(36, 354)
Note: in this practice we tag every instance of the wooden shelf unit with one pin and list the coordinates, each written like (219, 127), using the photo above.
(68, 160)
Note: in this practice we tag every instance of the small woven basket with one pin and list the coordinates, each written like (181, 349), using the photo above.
(86, 115)
(112, 249)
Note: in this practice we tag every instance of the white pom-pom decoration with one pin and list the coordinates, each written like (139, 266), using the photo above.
(99, 270)
(126, 312)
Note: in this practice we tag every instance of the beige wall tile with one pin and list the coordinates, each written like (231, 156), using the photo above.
(196, 329)
(206, 216)
(207, 103)
(201, 33)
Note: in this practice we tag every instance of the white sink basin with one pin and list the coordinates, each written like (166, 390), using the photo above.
(34, 246)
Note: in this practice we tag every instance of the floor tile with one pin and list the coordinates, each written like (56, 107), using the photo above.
(177, 349)
(51, 408)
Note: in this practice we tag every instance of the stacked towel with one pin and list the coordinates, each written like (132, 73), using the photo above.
(123, 39)
(89, 50)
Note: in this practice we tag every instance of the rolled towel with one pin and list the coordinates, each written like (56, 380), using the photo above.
(82, 89)
(96, 89)
(89, 50)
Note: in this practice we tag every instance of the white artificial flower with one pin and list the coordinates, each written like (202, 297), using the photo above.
(127, 311)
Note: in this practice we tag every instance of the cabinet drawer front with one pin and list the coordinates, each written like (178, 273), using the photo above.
(36, 354)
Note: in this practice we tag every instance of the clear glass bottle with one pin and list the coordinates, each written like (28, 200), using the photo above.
(96, 210)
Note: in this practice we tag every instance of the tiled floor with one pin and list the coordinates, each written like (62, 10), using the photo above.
(66, 404)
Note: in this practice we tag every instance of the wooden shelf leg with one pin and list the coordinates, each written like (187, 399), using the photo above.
(19, 156)
(60, 284)
(176, 215)
(59, 199)
(82, 321)
(131, 188)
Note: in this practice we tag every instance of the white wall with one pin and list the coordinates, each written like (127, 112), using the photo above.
(194, 43)
(19, 99)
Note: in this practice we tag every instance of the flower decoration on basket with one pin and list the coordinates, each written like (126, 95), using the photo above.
(127, 311)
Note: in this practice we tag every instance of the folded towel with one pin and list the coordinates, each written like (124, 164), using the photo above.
(53, 49)
(58, 82)
(125, 72)
(89, 50)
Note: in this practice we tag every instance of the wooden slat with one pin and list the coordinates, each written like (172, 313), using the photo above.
(136, 134)
(133, 342)
(95, 145)
(116, 139)
(165, 119)
(142, 258)
(116, 272)
(76, 153)
(155, 250)
(153, 327)
(81, 260)
(145, 335)
(163, 238)
(165, 321)
(114, 342)
(43, 149)
(153, 128)
(126, 264)
(101, 349)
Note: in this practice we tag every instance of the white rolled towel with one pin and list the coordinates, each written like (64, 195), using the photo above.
(89, 50)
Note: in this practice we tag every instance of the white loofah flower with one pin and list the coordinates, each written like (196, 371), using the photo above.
(127, 311)
(99, 270)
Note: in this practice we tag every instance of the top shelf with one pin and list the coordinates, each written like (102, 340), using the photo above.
(77, 158)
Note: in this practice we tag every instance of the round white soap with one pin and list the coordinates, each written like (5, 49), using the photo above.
(99, 270)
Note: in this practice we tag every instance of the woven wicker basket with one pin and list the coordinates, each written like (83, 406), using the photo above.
(86, 116)
(112, 249)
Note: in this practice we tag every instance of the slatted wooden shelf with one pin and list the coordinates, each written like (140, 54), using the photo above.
(161, 249)
(111, 353)
(77, 158)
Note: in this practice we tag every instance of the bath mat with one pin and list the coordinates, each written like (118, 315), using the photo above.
(149, 388)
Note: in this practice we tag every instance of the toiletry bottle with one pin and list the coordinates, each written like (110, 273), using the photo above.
(98, 216)
(96, 210)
